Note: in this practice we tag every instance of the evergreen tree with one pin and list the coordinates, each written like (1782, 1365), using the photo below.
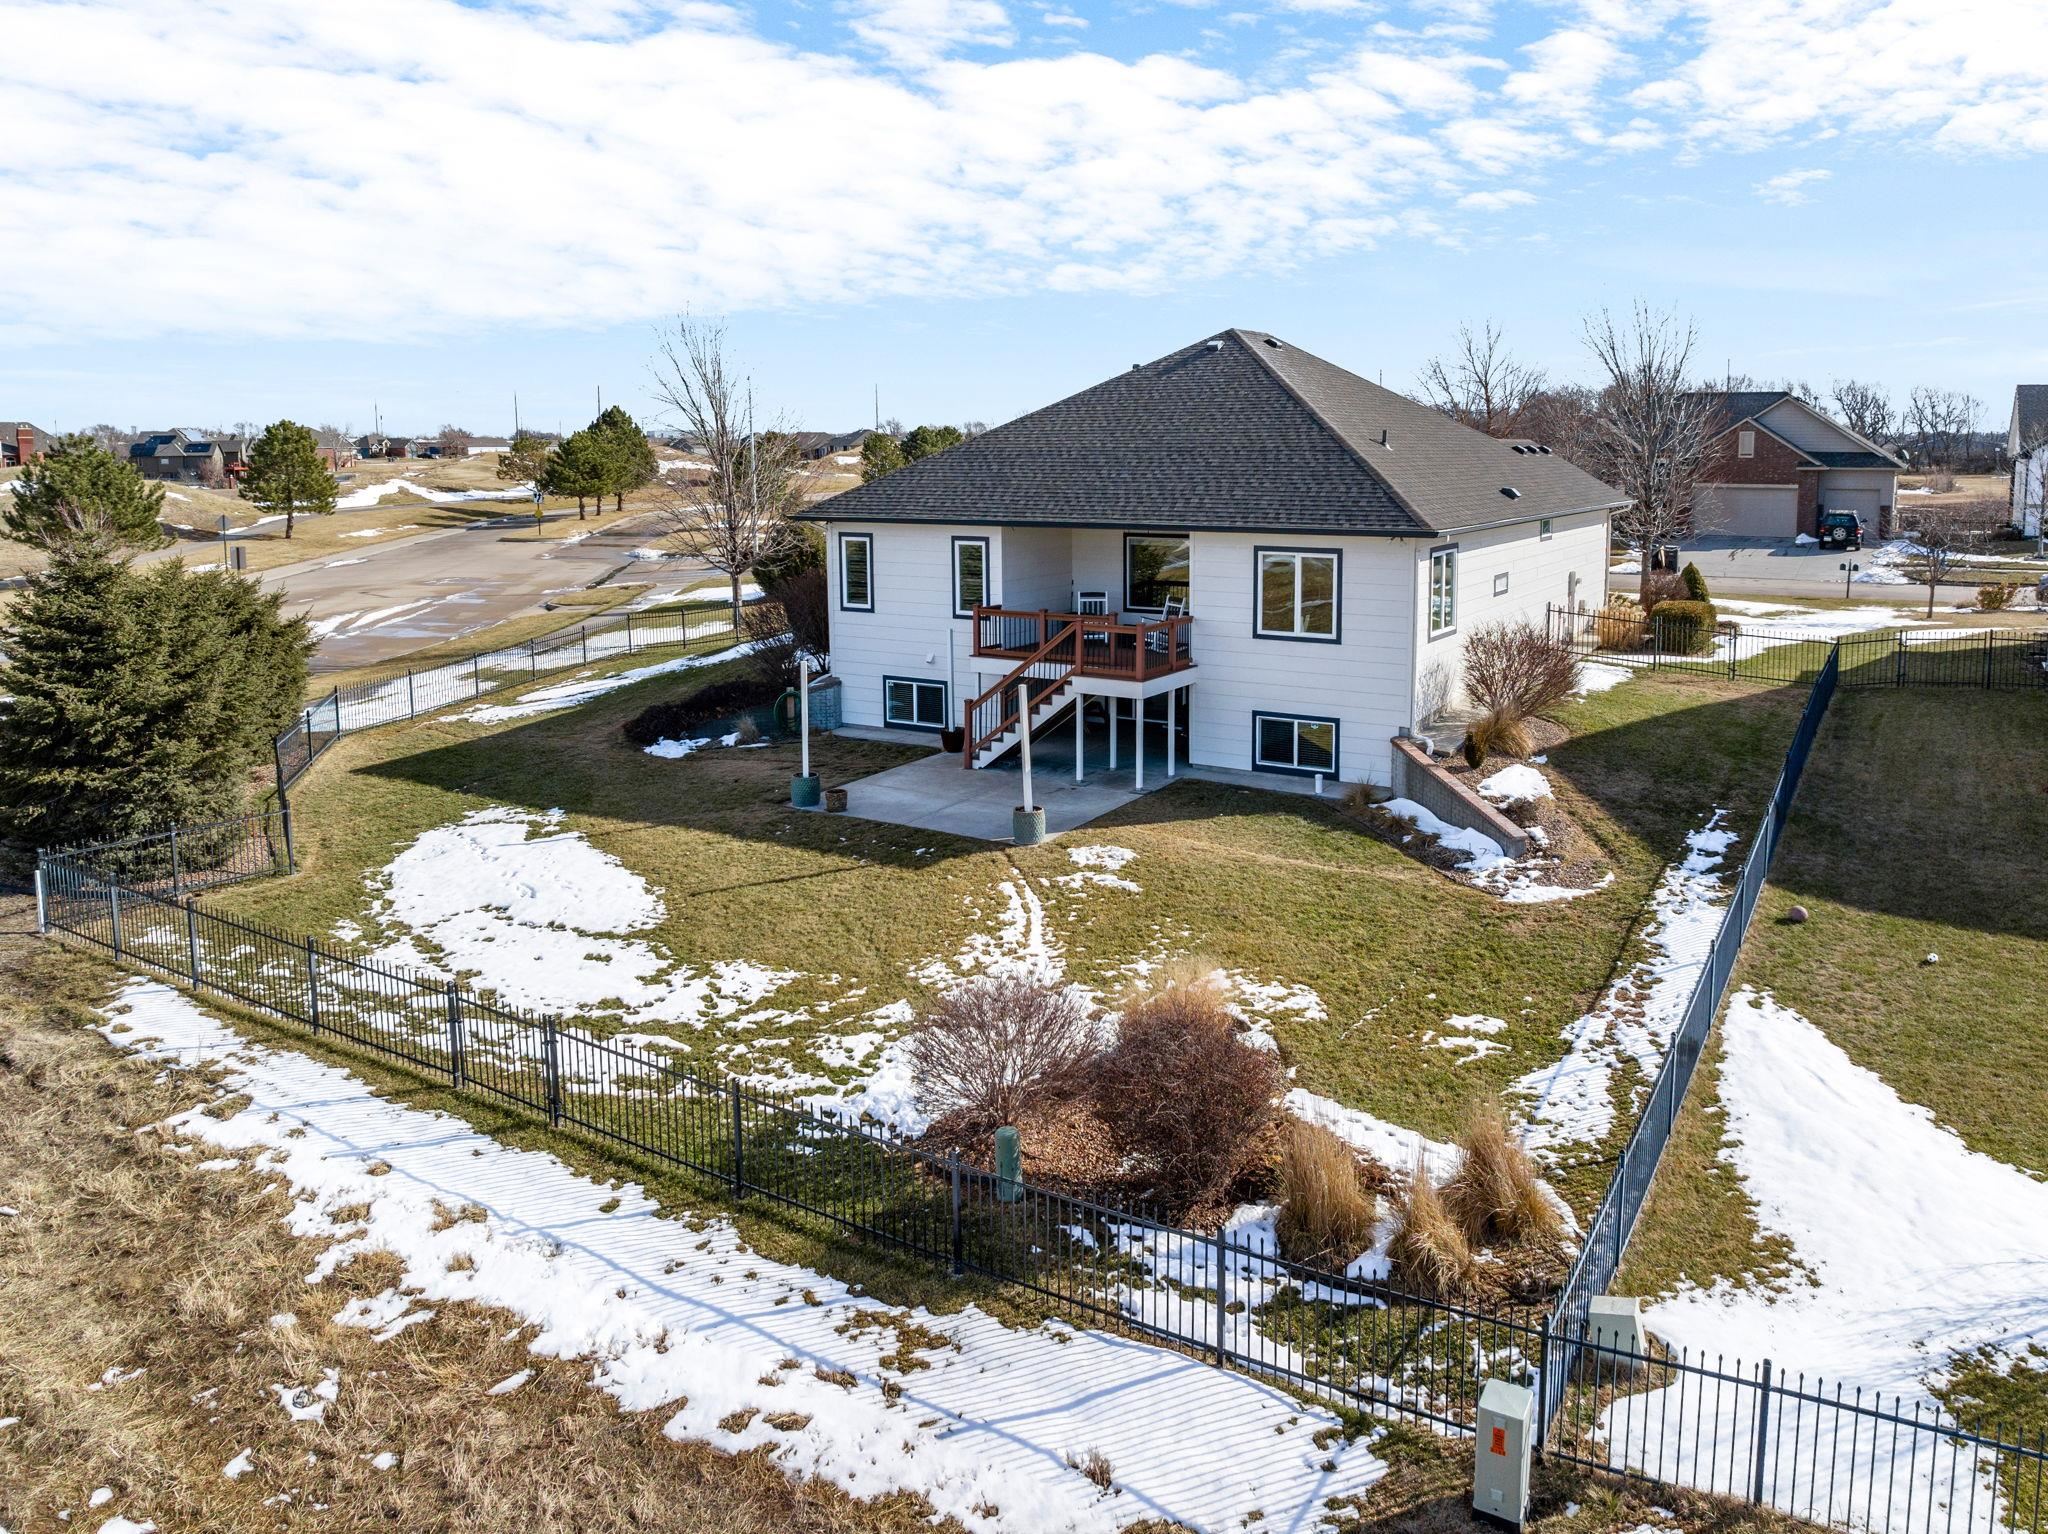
(879, 454)
(800, 548)
(582, 467)
(924, 441)
(632, 457)
(525, 461)
(140, 699)
(286, 473)
(1695, 583)
(80, 487)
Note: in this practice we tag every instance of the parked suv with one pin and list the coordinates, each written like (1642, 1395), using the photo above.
(1840, 530)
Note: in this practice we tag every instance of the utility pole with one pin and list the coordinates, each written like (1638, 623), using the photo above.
(878, 407)
(515, 416)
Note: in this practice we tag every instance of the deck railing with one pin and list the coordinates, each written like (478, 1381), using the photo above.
(1109, 647)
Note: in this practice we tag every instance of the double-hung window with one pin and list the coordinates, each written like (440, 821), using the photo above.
(1287, 743)
(1298, 594)
(857, 572)
(970, 575)
(1443, 591)
(914, 704)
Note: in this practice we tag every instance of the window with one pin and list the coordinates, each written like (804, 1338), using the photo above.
(857, 572)
(1500, 584)
(1284, 743)
(1543, 528)
(1297, 594)
(1443, 591)
(1745, 444)
(1155, 570)
(913, 704)
(970, 575)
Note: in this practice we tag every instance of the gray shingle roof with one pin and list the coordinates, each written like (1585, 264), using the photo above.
(1856, 459)
(1238, 432)
(2030, 412)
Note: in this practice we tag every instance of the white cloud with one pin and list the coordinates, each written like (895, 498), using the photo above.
(1790, 188)
(919, 32)
(1496, 201)
(1062, 19)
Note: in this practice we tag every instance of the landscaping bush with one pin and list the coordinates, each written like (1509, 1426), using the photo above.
(1496, 1195)
(1997, 596)
(720, 700)
(1519, 670)
(1181, 1097)
(996, 1043)
(1326, 1214)
(1661, 586)
(1429, 1253)
(1695, 583)
(1684, 627)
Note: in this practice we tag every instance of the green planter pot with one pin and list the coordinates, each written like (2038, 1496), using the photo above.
(1027, 827)
(806, 793)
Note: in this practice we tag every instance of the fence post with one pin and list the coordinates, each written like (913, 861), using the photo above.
(312, 985)
(739, 1165)
(42, 898)
(1543, 1383)
(583, 638)
(177, 874)
(953, 1168)
(192, 940)
(114, 908)
(1763, 1427)
(476, 677)
(1987, 660)
(532, 661)
(629, 631)
(291, 861)
(411, 703)
(552, 1059)
(1222, 1299)
(277, 761)
(457, 1074)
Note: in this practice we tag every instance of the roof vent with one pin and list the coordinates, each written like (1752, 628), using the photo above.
(1274, 342)
(1511, 492)
(1385, 440)
(1214, 343)
(1545, 451)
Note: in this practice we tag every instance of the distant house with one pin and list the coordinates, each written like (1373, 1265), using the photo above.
(2026, 444)
(1275, 561)
(1775, 463)
(20, 442)
(179, 456)
(478, 445)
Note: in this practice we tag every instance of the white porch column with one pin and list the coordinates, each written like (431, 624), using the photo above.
(1172, 728)
(1113, 721)
(1078, 705)
(1138, 740)
(1024, 723)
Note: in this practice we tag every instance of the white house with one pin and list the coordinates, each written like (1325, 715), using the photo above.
(1275, 560)
(2026, 443)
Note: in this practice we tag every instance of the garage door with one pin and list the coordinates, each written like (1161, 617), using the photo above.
(1862, 502)
(1749, 511)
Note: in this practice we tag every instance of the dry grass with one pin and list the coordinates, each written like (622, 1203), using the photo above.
(125, 1256)
(1327, 1214)
(1429, 1251)
(1496, 1196)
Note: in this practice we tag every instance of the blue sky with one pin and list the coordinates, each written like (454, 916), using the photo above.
(978, 205)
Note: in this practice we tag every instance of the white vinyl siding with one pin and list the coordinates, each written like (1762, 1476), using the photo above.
(910, 632)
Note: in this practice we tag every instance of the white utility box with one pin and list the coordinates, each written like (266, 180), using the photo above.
(1615, 1321)
(1500, 1472)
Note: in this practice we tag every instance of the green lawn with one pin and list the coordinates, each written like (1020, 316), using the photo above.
(1283, 889)
(1919, 829)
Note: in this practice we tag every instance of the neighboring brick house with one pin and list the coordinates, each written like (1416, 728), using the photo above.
(1775, 463)
(2026, 443)
(179, 456)
(21, 441)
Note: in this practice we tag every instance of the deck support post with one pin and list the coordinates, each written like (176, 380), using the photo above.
(1079, 707)
(1172, 728)
(1138, 742)
(1115, 720)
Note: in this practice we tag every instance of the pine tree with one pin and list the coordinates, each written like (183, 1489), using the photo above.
(924, 441)
(879, 454)
(633, 463)
(525, 461)
(581, 467)
(141, 699)
(286, 474)
(80, 487)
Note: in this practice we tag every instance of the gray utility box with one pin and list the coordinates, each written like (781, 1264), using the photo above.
(1615, 1321)
(1500, 1472)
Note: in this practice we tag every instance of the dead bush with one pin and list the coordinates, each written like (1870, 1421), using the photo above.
(1619, 627)
(997, 1042)
(746, 732)
(1497, 734)
(1181, 1096)
(1518, 670)
(1326, 1213)
(1429, 1252)
(1997, 596)
(1496, 1195)
(1664, 586)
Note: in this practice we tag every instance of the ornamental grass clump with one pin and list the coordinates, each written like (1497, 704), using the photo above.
(1495, 1196)
(1429, 1253)
(1327, 1215)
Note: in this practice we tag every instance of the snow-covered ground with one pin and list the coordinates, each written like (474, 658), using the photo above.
(578, 690)
(1910, 1246)
(685, 1319)
(370, 495)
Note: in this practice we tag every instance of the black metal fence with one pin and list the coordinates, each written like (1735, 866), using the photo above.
(186, 859)
(1998, 659)
(422, 690)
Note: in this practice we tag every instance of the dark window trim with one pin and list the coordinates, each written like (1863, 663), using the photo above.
(1161, 534)
(958, 539)
(945, 702)
(1260, 715)
(1432, 631)
(1259, 553)
(857, 607)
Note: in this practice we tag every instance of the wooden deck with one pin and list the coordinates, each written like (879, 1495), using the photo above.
(1100, 647)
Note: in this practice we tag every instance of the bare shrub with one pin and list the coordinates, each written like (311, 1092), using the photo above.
(1326, 1214)
(773, 652)
(997, 1042)
(1180, 1095)
(1664, 586)
(1518, 670)
(1619, 627)
(1496, 1195)
(807, 605)
(1941, 482)
(746, 732)
(1997, 596)
(1429, 1252)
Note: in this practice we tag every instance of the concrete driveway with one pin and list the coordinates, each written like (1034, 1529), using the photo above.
(1780, 567)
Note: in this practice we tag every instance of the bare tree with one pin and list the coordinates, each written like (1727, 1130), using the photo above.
(1865, 409)
(1566, 419)
(737, 512)
(454, 442)
(1941, 422)
(1653, 426)
(1943, 533)
(996, 1043)
(1480, 385)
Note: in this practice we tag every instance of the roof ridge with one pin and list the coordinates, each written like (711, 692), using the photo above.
(1244, 338)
